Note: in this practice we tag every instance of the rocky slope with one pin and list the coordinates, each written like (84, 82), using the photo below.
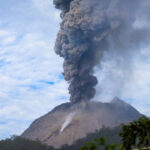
(67, 123)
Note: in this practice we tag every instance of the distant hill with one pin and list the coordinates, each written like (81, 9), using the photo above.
(68, 122)
(111, 134)
(19, 143)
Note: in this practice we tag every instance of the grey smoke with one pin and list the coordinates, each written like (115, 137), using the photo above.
(92, 29)
(68, 120)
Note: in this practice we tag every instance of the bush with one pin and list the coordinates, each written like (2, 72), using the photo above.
(19, 143)
(136, 134)
(133, 135)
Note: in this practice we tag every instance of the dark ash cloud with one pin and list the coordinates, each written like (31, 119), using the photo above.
(90, 28)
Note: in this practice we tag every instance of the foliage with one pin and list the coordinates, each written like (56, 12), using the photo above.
(99, 143)
(136, 134)
(18, 143)
(132, 135)
(112, 135)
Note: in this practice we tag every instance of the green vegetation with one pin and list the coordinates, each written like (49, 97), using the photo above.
(134, 135)
(112, 135)
(127, 137)
(100, 144)
(18, 143)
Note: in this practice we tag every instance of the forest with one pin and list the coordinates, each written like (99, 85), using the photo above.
(136, 134)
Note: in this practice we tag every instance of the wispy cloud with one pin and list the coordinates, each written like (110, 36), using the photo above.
(30, 71)
(7, 37)
(31, 80)
(31, 83)
(44, 7)
(131, 84)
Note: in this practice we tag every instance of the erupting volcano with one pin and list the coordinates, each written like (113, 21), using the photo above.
(91, 30)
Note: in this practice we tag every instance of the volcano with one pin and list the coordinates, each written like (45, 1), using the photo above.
(69, 122)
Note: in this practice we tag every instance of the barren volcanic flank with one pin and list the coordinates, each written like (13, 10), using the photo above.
(69, 122)
(90, 33)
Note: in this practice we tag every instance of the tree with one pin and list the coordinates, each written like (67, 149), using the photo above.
(136, 134)
(133, 135)
(19, 143)
(98, 143)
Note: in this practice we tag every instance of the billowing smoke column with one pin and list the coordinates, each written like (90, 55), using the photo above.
(88, 29)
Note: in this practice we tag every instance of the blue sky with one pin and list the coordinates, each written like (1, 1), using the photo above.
(31, 83)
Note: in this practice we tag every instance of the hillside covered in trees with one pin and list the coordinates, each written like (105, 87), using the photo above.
(126, 137)
(19, 143)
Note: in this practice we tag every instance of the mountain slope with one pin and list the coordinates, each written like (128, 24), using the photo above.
(67, 123)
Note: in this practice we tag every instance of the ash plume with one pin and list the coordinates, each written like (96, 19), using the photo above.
(90, 28)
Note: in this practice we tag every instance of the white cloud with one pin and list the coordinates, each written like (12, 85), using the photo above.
(30, 71)
(44, 6)
(131, 83)
(30, 82)
(7, 37)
